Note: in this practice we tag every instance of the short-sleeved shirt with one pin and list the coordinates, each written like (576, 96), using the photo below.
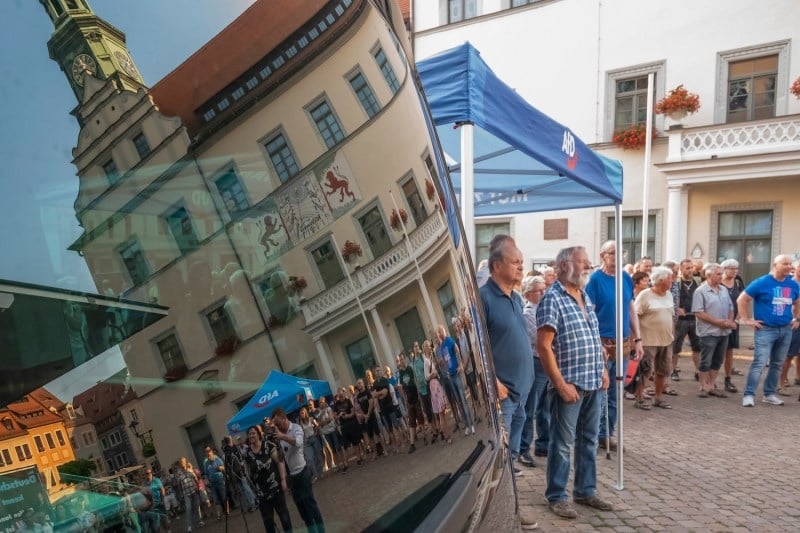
(602, 290)
(406, 377)
(155, 488)
(529, 311)
(263, 469)
(187, 481)
(384, 403)
(363, 397)
(717, 304)
(511, 347)
(295, 458)
(655, 317)
(576, 344)
(212, 471)
(772, 299)
(447, 351)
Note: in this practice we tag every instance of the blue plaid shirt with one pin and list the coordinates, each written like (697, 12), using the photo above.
(577, 346)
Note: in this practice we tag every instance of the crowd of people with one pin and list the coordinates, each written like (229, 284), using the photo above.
(554, 346)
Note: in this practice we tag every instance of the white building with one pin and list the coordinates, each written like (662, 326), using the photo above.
(720, 186)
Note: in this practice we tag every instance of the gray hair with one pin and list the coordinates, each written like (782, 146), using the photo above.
(498, 249)
(659, 274)
(730, 263)
(669, 263)
(565, 255)
(547, 270)
(529, 282)
(606, 245)
(709, 268)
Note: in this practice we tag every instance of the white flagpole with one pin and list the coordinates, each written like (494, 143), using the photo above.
(358, 298)
(420, 279)
(468, 185)
(648, 148)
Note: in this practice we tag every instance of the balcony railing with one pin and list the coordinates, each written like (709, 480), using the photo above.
(730, 140)
(376, 272)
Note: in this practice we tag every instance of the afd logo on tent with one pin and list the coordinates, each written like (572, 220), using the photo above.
(568, 147)
(265, 399)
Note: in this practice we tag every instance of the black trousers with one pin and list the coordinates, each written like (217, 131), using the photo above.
(276, 504)
(303, 496)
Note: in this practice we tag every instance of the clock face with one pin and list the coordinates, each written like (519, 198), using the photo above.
(125, 63)
(81, 64)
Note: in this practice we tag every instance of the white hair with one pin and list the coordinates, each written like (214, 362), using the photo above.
(660, 273)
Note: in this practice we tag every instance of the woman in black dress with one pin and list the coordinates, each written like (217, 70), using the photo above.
(268, 474)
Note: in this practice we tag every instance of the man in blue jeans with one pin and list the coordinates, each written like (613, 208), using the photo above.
(602, 291)
(776, 311)
(450, 353)
(569, 346)
(511, 349)
(536, 408)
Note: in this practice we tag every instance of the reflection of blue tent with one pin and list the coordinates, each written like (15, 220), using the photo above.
(524, 161)
(288, 392)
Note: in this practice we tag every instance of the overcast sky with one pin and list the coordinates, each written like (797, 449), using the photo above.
(38, 185)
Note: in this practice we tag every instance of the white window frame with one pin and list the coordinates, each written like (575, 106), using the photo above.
(613, 76)
(781, 48)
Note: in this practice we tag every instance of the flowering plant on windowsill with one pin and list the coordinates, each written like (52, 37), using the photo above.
(227, 346)
(297, 284)
(350, 251)
(678, 103)
(396, 217)
(795, 88)
(430, 190)
(632, 137)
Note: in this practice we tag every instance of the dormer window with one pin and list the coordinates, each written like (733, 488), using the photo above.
(8, 424)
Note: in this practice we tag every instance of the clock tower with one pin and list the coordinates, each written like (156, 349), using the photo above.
(84, 43)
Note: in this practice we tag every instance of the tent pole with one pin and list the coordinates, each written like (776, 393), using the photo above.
(468, 185)
(358, 298)
(648, 149)
(619, 381)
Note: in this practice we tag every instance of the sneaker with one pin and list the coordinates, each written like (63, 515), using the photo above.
(540, 453)
(772, 400)
(472, 429)
(563, 509)
(525, 459)
(595, 502)
(730, 387)
(675, 376)
(412, 449)
(749, 401)
(517, 471)
(466, 431)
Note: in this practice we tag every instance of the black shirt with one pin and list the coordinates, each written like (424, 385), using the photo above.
(406, 378)
(386, 402)
(686, 295)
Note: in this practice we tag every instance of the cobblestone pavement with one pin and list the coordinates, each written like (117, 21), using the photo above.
(708, 464)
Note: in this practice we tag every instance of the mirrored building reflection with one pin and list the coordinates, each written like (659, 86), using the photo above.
(279, 193)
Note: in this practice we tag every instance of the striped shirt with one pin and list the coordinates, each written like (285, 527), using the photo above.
(576, 345)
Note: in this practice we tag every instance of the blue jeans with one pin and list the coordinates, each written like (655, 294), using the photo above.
(536, 409)
(572, 423)
(514, 418)
(461, 399)
(771, 346)
(612, 399)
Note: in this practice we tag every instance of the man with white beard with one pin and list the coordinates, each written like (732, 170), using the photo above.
(571, 353)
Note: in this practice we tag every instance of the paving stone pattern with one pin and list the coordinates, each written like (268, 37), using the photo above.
(708, 464)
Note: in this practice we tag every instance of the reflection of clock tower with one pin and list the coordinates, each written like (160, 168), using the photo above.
(83, 42)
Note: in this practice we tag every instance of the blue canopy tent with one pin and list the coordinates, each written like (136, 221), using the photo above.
(288, 392)
(508, 157)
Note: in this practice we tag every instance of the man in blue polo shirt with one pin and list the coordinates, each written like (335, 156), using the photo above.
(602, 291)
(511, 349)
(571, 353)
(776, 310)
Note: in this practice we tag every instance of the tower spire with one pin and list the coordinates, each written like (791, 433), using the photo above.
(84, 44)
